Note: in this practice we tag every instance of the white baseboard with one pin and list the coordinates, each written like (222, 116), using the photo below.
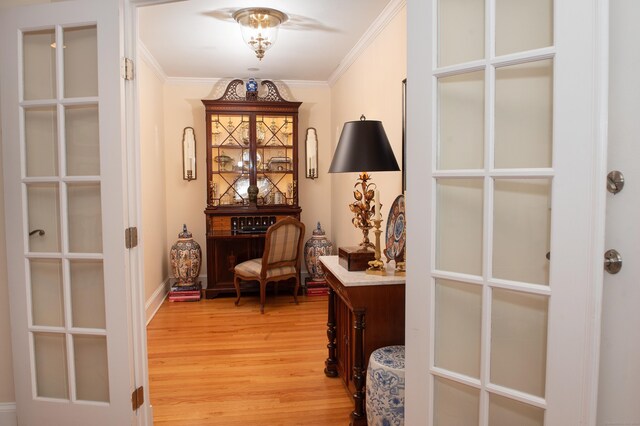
(153, 303)
(8, 414)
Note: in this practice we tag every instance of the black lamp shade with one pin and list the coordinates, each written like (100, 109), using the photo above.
(363, 147)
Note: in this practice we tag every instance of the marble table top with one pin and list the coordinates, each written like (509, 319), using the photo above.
(360, 278)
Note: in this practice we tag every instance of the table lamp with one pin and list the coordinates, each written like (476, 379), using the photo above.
(363, 147)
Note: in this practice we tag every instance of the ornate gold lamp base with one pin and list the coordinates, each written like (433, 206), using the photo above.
(376, 266)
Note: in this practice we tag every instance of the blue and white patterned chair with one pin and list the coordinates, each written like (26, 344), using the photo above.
(280, 260)
(385, 387)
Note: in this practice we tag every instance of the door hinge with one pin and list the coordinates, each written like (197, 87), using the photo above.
(127, 68)
(137, 398)
(131, 237)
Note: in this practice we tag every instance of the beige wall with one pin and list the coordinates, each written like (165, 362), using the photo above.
(186, 201)
(152, 172)
(371, 86)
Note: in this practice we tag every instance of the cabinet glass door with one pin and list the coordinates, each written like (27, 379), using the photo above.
(231, 159)
(275, 147)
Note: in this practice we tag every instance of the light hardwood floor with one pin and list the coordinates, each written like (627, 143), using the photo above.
(212, 363)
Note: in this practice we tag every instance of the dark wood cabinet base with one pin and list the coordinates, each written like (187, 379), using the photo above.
(360, 319)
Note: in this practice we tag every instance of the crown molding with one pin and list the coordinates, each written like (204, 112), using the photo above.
(145, 55)
(192, 81)
(381, 22)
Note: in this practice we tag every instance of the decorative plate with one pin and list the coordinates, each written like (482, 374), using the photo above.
(395, 236)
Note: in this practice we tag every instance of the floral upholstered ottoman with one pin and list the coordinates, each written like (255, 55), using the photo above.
(385, 387)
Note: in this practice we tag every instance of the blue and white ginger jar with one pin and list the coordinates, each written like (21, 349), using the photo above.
(186, 258)
(318, 245)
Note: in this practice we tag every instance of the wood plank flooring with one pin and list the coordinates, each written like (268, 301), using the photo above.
(212, 363)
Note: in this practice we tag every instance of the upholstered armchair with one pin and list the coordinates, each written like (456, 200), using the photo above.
(280, 259)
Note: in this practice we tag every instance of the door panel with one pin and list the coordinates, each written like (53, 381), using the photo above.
(505, 166)
(62, 127)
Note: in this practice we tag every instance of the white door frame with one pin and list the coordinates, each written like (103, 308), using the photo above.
(132, 120)
(419, 134)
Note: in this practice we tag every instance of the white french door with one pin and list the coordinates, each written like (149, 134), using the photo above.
(65, 201)
(504, 139)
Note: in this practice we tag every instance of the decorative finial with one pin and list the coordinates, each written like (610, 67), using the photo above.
(185, 232)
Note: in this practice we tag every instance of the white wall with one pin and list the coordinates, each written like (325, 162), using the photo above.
(619, 383)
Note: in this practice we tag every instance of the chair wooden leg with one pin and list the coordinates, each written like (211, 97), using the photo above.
(263, 295)
(295, 290)
(236, 284)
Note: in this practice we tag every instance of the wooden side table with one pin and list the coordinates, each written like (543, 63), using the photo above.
(365, 312)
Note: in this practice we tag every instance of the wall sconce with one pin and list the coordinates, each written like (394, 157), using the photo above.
(311, 154)
(189, 154)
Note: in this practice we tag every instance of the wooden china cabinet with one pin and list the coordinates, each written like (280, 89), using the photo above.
(252, 176)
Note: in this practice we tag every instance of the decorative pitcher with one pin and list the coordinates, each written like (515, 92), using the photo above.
(318, 245)
(186, 258)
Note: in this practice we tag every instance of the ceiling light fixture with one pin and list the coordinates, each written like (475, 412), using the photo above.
(259, 27)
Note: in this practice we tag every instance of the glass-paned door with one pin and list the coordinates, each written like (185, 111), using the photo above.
(64, 188)
(275, 149)
(230, 153)
(508, 284)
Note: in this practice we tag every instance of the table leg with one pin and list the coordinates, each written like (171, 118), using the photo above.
(358, 416)
(331, 364)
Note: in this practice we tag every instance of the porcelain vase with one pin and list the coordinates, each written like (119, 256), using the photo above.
(318, 245)
(186, 258)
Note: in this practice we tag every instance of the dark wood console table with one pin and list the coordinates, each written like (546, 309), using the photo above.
(365, 312)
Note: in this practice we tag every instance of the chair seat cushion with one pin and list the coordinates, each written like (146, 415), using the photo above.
(251, 268)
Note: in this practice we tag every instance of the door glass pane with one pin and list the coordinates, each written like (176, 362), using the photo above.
(522, 227)
(460, 31)
(85, 218)
(92, 377)
(457, 327)
(523, 25)
(39, 64)
(80, 62)
(41, 141)
(519, 341)
(83, 149)
(87, 294)
(50, 356)
(461, 126)
(523, 115)
(455, 404)
(47, 299)
(459, 225)
(44, 207)
(507, 412)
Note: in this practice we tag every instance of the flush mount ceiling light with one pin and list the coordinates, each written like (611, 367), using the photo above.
(259, 27)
